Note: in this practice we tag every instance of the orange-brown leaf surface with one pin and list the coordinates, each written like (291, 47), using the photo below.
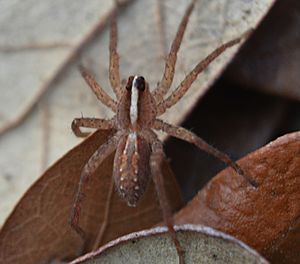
(267, 218)
(38, 229)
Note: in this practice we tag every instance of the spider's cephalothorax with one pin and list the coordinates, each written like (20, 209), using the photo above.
(137, 108)
(139, 152)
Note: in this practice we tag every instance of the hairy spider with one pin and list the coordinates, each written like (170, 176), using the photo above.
(139, 152)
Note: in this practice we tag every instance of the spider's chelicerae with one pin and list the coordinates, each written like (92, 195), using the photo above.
(139, 152)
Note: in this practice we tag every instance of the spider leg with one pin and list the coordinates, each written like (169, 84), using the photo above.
(192, 76)
(156, 159)
(160, 28)
(90, 167)
(169, 71)
(98, 90)
(90, 123)
(106, 215)
(114, 75)
(186, 135)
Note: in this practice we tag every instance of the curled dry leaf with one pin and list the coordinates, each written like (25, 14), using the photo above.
(267, 218)
(202, 245)
(38, 229)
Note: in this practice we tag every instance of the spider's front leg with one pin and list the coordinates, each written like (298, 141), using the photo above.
(90, 123)
(90, 167)
(114, 71)
(184, 86)
(156, 159)
(186, 135)
(169, 71)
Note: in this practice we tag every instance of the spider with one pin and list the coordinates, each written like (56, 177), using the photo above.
(138, 151)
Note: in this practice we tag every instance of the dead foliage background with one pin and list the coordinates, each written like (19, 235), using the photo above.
(253, 102)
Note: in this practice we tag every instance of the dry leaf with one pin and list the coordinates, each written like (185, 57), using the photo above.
(267, 218)
(47, 130)
(34, 50)
(38, 229)
(202, 245)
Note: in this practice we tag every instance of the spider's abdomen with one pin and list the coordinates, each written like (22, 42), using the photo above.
(131, 167)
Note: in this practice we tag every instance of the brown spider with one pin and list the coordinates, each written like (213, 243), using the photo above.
(139, 152)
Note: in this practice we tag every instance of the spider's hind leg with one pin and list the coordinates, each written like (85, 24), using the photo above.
(88, 170)
(156, 159)
(186, 135)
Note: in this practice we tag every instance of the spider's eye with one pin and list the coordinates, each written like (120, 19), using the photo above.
(140, 83)
(129, 83)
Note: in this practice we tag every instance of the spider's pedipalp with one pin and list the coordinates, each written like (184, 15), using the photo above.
(90, 123)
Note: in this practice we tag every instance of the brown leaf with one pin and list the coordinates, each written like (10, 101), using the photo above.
(38, 229)
(266, 218)
(201, 244)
